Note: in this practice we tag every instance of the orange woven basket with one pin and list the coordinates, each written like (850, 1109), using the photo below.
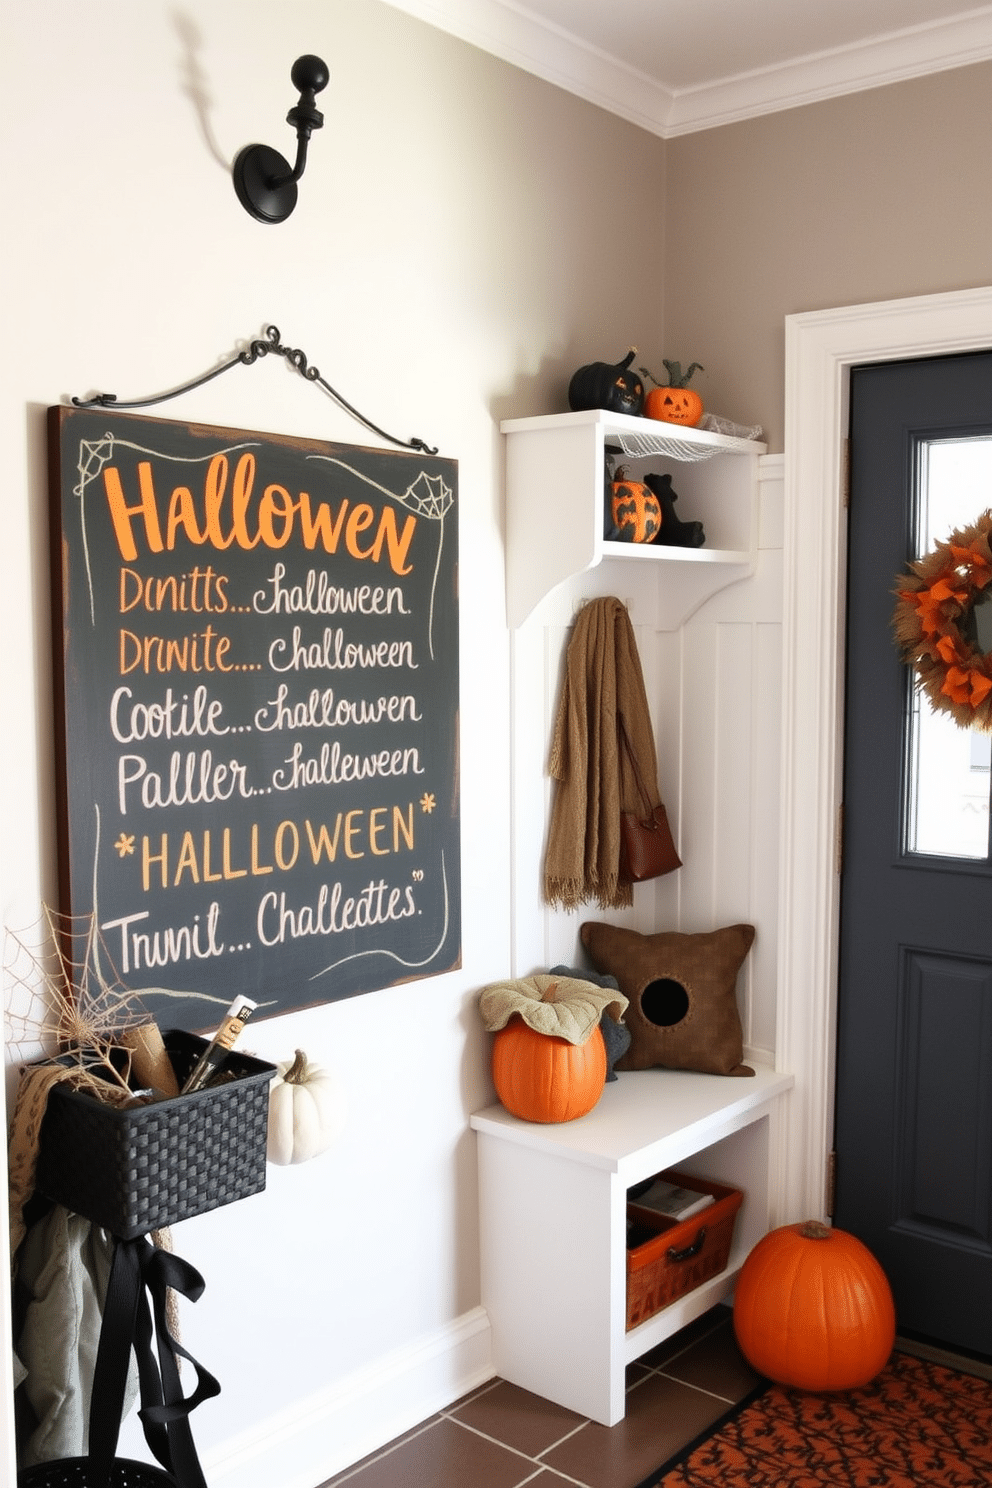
(668, 1258)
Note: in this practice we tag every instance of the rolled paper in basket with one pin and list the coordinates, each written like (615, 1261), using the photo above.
(151, 1066)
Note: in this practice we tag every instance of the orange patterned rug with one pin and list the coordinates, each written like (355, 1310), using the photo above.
(918, 1425)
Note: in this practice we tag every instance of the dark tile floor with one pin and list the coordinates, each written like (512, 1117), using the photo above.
(500, 1436)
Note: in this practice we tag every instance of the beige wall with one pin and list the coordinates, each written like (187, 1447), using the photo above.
(466, 235)
(874, 196)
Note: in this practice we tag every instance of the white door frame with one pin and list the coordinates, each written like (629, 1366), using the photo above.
(820, 349)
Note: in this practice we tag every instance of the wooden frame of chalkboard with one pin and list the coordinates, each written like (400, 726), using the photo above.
(256, 648)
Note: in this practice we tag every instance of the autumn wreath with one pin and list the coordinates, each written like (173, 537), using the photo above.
(935, 626)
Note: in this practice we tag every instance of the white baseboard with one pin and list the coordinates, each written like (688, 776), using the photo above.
(309, 1442)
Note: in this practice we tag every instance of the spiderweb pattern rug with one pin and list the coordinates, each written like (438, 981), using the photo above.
(918, 1425)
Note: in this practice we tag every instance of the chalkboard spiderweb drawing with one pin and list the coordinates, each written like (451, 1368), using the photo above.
(257, 697)
(93, 456)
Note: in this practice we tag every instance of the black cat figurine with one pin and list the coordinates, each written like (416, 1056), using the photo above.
(673, 532)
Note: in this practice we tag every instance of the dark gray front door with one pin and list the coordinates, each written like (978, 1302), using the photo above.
(914, 1053)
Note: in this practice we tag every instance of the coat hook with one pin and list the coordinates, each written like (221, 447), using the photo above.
(265, 184)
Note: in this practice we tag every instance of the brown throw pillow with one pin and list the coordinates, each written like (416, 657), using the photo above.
(682, 991)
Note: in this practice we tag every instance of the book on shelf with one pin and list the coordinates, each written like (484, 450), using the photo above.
(672, 1200)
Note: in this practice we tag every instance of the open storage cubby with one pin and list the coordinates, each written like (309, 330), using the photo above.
(553, 1211)
(555, 485)
(669, 1257)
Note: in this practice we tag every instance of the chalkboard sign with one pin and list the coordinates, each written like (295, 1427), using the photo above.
(257, 703)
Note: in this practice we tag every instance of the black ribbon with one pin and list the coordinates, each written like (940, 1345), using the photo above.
(140, 1278)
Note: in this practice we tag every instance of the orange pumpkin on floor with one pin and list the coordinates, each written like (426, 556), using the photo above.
(540, 1077)
(813, 1309)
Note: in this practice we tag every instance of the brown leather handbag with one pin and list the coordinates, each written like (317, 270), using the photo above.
(647, 848)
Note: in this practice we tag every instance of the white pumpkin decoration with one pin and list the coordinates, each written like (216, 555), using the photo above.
(306, 1112)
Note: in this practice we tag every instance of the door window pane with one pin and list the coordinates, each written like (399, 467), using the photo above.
(947, 796)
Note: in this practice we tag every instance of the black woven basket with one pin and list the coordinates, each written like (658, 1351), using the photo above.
(79, 1472)
(136, 1170)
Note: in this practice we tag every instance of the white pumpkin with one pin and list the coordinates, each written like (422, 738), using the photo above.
(306, 1112)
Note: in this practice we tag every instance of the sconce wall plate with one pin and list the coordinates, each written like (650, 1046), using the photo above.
(264, 181)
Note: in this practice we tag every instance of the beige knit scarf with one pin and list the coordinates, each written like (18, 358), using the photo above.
(595, 781)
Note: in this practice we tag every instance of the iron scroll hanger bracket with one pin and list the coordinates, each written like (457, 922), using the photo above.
(255, 351)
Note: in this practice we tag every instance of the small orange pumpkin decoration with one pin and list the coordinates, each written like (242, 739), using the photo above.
(540, 1077)
(635, 510)
(674, 402)
(549, 1056)
(813, 1309)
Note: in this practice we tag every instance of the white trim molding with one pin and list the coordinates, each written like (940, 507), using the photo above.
(519, 34)
(327, 1432)
(820, 349)
(956, 41)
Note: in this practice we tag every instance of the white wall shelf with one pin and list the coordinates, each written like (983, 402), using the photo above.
(555, 483)
(553, 1222)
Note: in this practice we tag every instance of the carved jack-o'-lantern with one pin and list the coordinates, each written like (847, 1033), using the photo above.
(613, 386)
(674, 405)
(635, 510)
(675, 402)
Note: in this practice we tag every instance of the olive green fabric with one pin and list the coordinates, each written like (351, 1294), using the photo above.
(558, 1006)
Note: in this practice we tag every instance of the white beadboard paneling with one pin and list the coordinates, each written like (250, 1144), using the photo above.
(698, 687)
(733, 747)
(665, 692)
(731, 697)
(544, 936)
(771, 501)
(759, 1031)
(714, 689)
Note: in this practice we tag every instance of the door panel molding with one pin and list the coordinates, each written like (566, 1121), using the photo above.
(943, 1080)
(820, 349)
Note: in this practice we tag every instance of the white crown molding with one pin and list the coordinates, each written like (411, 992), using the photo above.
(892, 58)
(510, 32)
(550, 53)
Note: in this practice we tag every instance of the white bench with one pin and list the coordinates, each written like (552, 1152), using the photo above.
(553, 1222)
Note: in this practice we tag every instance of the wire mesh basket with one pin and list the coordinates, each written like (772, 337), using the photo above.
(81, 1472)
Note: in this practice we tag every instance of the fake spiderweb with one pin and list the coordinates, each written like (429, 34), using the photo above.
(62, 991)
(640, 446)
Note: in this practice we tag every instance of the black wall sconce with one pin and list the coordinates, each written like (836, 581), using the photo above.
(265, 184)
